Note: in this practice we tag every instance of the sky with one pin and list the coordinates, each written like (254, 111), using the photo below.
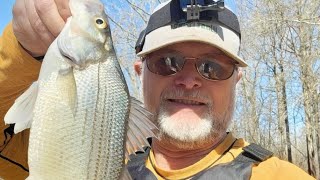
(5, 13)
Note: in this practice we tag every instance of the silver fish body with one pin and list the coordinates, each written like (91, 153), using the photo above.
(90, 143)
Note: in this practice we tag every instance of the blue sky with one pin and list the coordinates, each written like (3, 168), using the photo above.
(5, 13)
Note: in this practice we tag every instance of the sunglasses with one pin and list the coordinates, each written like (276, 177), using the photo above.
(212, 67)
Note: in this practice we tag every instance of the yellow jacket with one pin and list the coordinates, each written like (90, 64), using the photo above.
(270, 169)
(18, 70)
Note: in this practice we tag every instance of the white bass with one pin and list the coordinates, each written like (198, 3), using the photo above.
(83, 121)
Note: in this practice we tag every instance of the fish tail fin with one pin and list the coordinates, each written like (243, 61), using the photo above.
(140, 127)
(21, 112)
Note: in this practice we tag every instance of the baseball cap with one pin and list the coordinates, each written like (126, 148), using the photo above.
(170, 24)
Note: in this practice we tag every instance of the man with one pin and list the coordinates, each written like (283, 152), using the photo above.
(189, 68)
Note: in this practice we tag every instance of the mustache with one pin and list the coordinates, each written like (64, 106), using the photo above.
(173, 93)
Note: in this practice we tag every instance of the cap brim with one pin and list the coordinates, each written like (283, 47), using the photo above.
(215, 35)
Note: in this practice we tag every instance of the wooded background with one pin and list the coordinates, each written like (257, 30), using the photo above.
(278, 98)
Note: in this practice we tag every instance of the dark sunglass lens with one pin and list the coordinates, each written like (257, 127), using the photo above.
(213, 70)
(165, 65)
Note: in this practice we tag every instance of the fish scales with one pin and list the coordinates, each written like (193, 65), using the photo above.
(109, 123)
(49, 124)
(87, 99)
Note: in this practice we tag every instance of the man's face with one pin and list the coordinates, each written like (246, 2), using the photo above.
(190, 110)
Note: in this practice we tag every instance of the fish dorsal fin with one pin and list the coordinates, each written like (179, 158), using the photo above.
(140, 127)
(21, 113)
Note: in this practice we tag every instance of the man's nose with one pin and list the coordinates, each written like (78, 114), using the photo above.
(188, 77)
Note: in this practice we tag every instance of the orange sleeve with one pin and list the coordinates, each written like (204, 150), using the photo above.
(274, 169)
(17, 71)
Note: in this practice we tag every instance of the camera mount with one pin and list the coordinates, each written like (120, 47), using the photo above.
(194, 9)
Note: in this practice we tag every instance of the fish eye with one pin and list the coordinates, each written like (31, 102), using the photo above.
(100, 23)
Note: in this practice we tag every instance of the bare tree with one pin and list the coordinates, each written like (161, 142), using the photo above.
(278, 98)
(128, 18)
(284, 37)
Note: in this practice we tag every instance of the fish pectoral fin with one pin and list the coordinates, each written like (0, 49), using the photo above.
(21, 112)
(140, 127)
(125, 175)
(66, 86)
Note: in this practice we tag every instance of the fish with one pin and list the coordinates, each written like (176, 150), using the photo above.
(83, 122)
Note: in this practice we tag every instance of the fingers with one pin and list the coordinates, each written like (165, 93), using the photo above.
(63, 8)
(36, 23)
(24, 32)
(48, 12)
(17, 12)
(38, 26)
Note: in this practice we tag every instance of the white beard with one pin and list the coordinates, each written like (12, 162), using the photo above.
(183, 130)
(189, 135)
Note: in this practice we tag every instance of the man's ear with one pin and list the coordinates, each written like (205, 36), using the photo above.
(239, 74)
(138, 67)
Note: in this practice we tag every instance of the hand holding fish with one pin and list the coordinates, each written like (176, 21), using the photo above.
(84, 124)
(36, 23)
